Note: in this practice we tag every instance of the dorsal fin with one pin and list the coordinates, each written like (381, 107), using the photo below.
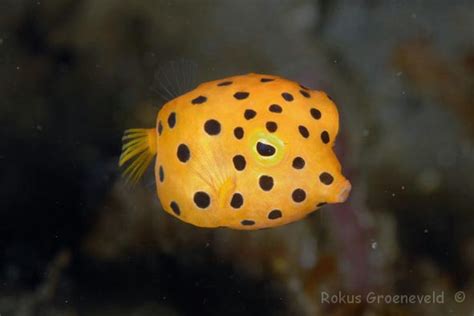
(174, 78)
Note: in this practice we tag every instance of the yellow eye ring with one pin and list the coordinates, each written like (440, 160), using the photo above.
(267, 149)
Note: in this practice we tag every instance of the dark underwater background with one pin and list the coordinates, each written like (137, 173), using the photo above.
(74, 240)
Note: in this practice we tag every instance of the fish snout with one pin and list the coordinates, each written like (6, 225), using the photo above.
(344, 191)
(340, 191)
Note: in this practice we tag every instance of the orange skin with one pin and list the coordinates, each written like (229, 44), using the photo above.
(210, 166)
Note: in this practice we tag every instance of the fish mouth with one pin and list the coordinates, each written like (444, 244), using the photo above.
(343, 194)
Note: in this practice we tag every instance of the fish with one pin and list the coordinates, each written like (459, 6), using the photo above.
(245, 152)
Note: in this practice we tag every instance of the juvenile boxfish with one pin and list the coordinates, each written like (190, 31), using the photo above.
(245, 152)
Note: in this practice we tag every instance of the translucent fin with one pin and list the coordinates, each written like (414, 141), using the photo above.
(138, 150)
(225, 191)
(174, 78)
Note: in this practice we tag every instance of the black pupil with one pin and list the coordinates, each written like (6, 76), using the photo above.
(265, 149)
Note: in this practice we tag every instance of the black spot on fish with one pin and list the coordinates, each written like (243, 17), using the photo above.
(237, 200)
(287, 96)
(239, 162)
(265, 150)
(266, 183)
(239, 132)
(212, 127)
(326, 178)
(249, 114)
(303, 131)
(202, 199)
(275, 214)
(266, 79)
(199, 100)
(225, 83)
(247, 222)
(275, 108)
(271, 126)
(175, 207)
(298, 195)
(325, 137)
(304, 93)
(161, 174)
(298, 163)
(172, 119)
(160, 128)
(183, 153)
(315, 113)
(241, 95)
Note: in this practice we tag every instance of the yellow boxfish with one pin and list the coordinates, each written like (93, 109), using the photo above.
(245, 152)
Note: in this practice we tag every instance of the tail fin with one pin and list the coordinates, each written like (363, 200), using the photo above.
(138, 150)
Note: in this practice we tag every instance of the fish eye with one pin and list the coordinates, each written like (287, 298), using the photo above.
(265, 150)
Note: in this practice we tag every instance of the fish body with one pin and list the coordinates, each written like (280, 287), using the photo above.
(245, 152)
